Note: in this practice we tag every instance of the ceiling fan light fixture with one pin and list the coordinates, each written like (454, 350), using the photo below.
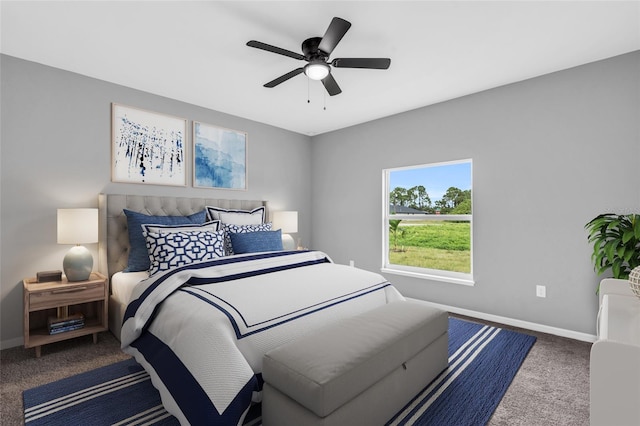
(316, 70)
(316, 51)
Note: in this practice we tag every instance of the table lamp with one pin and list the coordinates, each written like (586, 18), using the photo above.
(287, 221)
(77, 226)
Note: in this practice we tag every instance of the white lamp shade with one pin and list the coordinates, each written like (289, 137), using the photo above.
(316, 71)
(77, 226)
(287, 221)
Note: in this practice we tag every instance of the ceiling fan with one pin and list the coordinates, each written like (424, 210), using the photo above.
(316, 51)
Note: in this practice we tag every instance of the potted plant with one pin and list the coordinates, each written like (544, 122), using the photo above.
(616, 243)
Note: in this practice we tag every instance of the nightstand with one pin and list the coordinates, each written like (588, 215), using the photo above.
(62, 298)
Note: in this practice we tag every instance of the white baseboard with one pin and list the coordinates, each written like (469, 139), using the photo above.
(585, 337)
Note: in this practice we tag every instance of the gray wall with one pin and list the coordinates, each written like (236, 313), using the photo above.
(56, 151)
(549, 154)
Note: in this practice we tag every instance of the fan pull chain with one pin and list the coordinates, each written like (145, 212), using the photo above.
(324, 96)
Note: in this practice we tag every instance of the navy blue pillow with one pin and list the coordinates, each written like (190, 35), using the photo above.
(138, 254)
(257, 241)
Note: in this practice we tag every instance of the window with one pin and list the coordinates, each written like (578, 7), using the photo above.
(427, 221)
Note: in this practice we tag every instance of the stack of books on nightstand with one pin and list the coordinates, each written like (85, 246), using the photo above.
(68, 323)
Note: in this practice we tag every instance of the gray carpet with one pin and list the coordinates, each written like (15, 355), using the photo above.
(551, 387)
(21, 370)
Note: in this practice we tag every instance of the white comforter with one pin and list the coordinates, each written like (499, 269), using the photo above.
(201, 330)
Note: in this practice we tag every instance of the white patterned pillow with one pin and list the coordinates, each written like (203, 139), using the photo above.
(230, 228)
(168, 250)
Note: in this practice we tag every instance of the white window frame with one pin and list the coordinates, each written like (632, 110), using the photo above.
(417, 272)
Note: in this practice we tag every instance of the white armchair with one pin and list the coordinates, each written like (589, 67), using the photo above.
(615, 357)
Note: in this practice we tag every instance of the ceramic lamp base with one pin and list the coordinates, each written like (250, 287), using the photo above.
(77, 264)
(287, 242)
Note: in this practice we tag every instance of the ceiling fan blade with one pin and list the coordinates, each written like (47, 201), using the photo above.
(337, 29)
(331, 85)
(274, 49)
(283, 78)
(371, 63)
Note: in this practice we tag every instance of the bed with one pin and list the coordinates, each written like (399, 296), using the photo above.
(113, 246)
(201, 329)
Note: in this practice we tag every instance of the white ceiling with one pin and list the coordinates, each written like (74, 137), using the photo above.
(195, 51)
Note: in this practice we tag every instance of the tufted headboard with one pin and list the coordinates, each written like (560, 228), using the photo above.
(113, 247)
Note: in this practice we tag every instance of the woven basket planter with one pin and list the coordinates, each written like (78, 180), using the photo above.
(634, 281)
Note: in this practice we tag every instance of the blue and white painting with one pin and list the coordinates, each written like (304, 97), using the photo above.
(220, 157)
(147, 147)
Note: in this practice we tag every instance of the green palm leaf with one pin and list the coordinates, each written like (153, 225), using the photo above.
(616, 243)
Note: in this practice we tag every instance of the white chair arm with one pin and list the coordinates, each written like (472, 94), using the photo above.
(614, 286)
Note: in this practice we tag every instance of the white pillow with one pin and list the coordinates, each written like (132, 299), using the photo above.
(212, 226)
(237, 217)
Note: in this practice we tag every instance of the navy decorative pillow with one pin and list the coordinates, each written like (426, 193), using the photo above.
(138, 256)
(171, 249)
(258, 241)
(240, 229)
(237, 217)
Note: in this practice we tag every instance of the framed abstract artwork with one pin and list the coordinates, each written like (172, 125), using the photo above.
(219, 157)
(147, 147)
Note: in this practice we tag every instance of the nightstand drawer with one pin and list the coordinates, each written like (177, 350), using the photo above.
(66, 295)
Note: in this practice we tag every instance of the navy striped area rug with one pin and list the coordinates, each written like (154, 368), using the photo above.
(482, 363)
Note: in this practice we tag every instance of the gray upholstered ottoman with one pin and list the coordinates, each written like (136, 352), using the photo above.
(358, 371)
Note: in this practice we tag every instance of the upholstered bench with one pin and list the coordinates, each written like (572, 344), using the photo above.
(358, 371)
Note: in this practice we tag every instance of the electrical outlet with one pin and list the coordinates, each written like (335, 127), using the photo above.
(352, 263)
(541, 291)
